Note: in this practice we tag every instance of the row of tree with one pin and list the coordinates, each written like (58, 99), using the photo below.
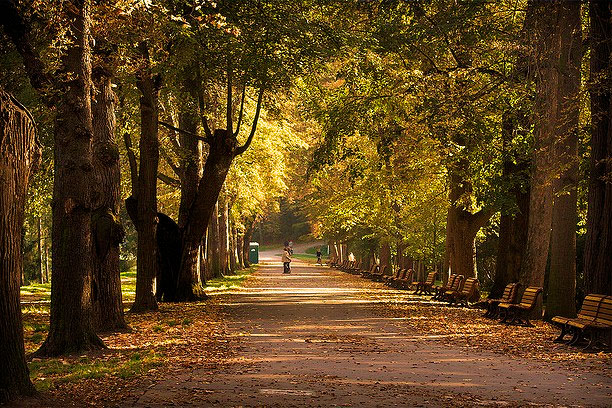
(444, 119)
(183, 78)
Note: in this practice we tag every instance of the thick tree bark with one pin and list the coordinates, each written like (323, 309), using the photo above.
(545, 45)
(71, 328)
(562, 277)
(106, 225)
(512, 226)
(190, 165)
(19, 156)
(461, 229)
(598, 247)
(146, 262)
(223, 148)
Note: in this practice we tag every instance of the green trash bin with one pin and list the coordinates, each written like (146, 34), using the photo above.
(254, 252)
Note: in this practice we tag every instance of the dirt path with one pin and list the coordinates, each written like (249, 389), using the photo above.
(314, 338)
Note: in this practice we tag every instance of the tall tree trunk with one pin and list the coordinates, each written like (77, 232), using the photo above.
(240, 249)
(545, 45)
(71, 328)
(146, 225)
(385, 256)
(222, 149)
(562, 277)
(106, 225)
(191, 165)
(214, 253)
(461, 229)
(41, 257)
(598, 247)
(224, 234)
(246, 240)
(233, 260)
(512, 226)
(19, 156)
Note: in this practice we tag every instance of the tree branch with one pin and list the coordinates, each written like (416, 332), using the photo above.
(200, 93)
(133, 165)
(228, 107)
(172, 182)
(176, 169)
(243, 148)
(183, 131)
(241, 111)
(19, 32)
(480, 218)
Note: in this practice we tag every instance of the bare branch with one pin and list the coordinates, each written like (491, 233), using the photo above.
(183, 131)
(243, 148)
(241, 111)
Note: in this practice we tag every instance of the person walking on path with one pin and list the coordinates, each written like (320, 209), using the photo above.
(286, 260)
(319, 256)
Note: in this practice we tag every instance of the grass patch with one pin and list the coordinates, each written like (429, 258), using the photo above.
(313, 250)
(48, 373)
(40, 291)
(229, 281)
(305, 257)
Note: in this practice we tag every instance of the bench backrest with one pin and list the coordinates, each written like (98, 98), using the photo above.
(604, 314)
(409, 275)
(457, 283)
(530, 297)
(590, 307)
(470, 286)
(514, 292)
(451, 280)
(507, 292)
(431, 278)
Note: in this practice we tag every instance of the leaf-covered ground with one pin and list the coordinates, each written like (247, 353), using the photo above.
(210, 352)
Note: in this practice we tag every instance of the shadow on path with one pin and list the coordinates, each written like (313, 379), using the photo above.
(314, 338)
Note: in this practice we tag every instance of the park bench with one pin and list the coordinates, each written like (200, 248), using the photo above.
(424, 288)
(456, 286)
(587, 314)
(333, 261)
(347, 266)
(439, 290)
(520, 311)
(509, 296)
(602, 324)
(378, 275)
(356, 269)
(405, 281)
(373, 269)
(462, 297)
(392, 278)
(343, 265)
